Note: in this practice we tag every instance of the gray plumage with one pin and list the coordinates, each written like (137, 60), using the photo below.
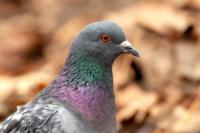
(41, 117)
(81, 98)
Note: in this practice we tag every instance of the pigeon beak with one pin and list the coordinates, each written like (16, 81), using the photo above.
(128, 48)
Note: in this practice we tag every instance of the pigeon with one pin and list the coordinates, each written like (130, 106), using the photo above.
(81, 98)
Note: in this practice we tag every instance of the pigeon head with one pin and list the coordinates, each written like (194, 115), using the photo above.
(103, 40)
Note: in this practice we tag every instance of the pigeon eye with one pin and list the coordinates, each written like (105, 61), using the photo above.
(105, 38)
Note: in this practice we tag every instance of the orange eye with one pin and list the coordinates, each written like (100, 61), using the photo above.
(105, 38)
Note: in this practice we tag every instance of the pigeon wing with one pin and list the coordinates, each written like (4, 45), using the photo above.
(44, 119)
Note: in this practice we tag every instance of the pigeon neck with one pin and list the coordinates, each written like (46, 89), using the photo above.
(84, 70)
(86, 84)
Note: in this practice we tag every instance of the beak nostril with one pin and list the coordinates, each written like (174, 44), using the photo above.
(127, 47)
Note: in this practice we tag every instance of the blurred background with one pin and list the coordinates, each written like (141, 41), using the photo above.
(156, 93)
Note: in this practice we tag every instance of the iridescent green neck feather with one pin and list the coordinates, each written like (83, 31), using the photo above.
(84, 70)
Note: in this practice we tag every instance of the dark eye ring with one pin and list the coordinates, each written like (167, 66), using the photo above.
(105, 38)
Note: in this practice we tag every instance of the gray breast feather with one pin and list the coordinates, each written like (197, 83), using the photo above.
(44, 119)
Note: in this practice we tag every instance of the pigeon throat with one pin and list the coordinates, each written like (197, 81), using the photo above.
(85, 71)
